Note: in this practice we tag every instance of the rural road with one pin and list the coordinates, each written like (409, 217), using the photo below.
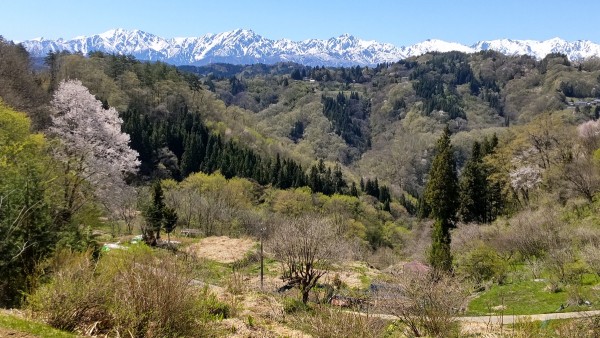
(510, 319)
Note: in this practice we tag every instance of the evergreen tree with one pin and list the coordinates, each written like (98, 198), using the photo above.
(170, 221)
(353, 190)
(297, 131)
(441, 195)
(384, 194)
(386, 205)
(314, 180)
(296, 75)
(338, 180)
(440, 257)
(474, 188)
(494, 196)
(275, 171)
(237, 86)
(372, 188)
(154, 215)
(190, 160)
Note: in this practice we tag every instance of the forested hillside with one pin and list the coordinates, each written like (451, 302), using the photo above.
(446, 159)
(383, 121)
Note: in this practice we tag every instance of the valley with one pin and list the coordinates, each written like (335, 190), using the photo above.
(143, 198)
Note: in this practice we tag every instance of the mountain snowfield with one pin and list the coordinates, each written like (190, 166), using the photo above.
(246, 47)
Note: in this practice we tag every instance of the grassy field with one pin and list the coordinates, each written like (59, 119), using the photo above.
(30, 328)
(531, 297)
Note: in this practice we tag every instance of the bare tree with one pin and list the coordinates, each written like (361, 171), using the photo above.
(581, 174)
(306, 248)
(120, 206)
(582, 177)
(425, 301)
(591, 255)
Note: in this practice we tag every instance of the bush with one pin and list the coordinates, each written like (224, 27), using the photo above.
(293, 305)
(582, 327)
(335, 322)
(575, 295)
(591, 255)
(562, 265)
(424, 303)
(482, 264)
(133, 292)
(73, 297)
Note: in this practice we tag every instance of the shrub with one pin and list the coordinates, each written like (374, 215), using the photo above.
(73, 297)
(527, 328)
(335, 322)
(591, 255)
(582, 327)
(575, 295)
(293, 305)
(482, 264)
(425, 303)
(135, 292)
(562, 264)
(154, 297)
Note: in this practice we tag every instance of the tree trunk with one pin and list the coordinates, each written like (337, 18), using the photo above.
(305, 295)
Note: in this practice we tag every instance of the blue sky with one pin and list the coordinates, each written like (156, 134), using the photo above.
(395, 21)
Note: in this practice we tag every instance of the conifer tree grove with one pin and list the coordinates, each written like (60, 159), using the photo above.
(473, 188)
(441, 195)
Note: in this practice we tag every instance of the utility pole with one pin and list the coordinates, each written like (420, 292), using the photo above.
(262, 232)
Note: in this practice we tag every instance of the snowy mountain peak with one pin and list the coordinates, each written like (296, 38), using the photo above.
(345, 37)
(244, 46)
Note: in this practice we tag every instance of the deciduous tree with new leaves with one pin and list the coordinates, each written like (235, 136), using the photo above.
(92, 149)
(27, 233)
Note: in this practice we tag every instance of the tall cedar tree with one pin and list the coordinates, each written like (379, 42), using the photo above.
(481, 199)
(474, 188)
(441, 195)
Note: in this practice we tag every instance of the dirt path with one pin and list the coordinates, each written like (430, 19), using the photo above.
(509, 319)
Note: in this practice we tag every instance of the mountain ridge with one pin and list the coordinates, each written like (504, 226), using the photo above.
(244, 46)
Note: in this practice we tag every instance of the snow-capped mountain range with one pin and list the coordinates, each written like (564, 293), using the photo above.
(246, 47)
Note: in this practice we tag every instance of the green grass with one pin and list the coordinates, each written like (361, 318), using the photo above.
(529, 297)
(210, 271)
(31, 327)
(270, 268)
(216, 273)
(365, 279)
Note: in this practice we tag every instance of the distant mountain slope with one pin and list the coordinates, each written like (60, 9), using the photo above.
(246, 47)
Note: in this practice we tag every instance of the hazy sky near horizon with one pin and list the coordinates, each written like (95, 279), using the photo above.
(394, 21)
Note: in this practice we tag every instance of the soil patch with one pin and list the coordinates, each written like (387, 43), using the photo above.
(353, 274)
(222, 249)
(8, 333)
(242, 329)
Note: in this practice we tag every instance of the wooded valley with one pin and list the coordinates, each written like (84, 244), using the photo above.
(470, 180)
